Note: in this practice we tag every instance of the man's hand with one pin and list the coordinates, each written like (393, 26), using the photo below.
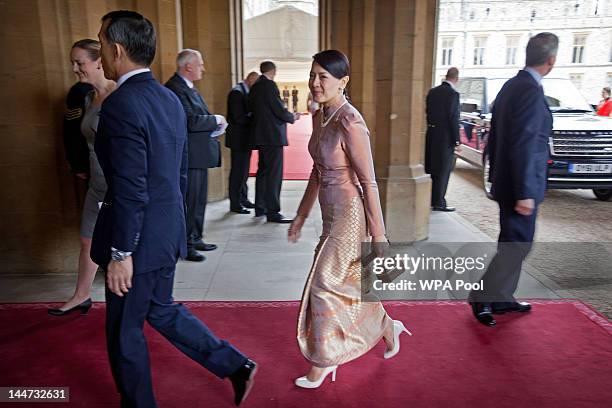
(119, 276)
(458, 148)
(296, 115)
(82, 176)
(525, 207)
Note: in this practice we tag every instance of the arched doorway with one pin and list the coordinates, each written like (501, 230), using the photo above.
(286, 32)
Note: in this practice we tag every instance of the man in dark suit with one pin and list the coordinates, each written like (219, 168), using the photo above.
(238, 139)
(140, 232)
(270, 118)
(204, 150)
(442, 137)
(518, 154)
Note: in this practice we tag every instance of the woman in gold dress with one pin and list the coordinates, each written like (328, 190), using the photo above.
(334, 325)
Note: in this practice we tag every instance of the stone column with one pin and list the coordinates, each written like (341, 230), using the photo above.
(404, 56)
(206, 27)
(391, 47)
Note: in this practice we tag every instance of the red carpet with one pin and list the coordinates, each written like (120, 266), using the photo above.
(297, 162)
(557, 356)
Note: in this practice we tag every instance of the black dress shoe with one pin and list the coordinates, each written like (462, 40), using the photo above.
(483, 313)
(279, 219)
(242, 381)
(203, 246)
(520, 307)
(83, 307)
(240, 210)
(194, 256)
(248, 204)
(445, 209)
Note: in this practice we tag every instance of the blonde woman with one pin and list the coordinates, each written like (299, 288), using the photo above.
(87, 65)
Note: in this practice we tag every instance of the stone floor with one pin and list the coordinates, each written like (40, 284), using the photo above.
(254, 261)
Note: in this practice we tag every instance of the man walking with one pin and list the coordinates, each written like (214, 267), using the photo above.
(140, 232)
(442, 137)
(238, 139)
(204, 150)
(270, 118)
(518, 151)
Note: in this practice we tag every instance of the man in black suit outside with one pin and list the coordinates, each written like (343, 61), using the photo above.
(238, 139)
(518, 153)
(270, 118)
(442, 137)
(140, 232)
(204, 150)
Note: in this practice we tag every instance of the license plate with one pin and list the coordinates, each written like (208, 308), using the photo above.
(590, 168)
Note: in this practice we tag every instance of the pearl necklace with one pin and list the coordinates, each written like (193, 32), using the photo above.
(326, 122)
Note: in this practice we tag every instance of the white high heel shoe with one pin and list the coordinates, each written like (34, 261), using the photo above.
(398, 328)
(304, 382)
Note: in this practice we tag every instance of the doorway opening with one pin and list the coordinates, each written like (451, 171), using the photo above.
(287, 33)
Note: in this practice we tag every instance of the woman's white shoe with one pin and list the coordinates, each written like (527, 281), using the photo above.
(398, 328)
(304, 382)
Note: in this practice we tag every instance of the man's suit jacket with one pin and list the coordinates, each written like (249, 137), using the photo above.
(518, 142)
(270, 117)
(238, 133)
(142, 147)
(204, 151)
(442, 106)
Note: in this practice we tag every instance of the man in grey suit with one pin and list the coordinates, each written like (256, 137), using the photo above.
(204, 150)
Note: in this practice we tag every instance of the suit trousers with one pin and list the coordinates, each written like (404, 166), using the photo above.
(150, 299)
(197, 196)
(514, 244)
(269, 180)
(239, 174)
(440, 176)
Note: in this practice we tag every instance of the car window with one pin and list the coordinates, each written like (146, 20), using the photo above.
(471, 94)
(561, 94)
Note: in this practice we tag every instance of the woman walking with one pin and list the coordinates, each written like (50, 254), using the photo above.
(87, 65)
(334, 325)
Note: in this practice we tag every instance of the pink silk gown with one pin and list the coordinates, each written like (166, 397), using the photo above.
(334, 326)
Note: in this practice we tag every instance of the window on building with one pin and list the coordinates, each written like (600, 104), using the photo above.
(479, 50)
(447, 50)
(576, 80)
(512, 42)
(609, 79)
(578, 48)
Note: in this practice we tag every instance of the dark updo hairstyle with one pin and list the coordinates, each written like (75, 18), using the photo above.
(92, 47)
(334, 62)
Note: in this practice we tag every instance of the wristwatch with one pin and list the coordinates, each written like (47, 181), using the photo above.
(119, 256)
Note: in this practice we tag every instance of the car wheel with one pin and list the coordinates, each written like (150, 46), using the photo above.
(486, 168)
(603, 194)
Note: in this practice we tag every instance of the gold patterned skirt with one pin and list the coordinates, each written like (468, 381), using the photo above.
(334, 326)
